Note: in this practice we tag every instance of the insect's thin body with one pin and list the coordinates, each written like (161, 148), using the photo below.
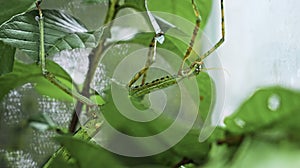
(161, 83)
(194, 69)
(149, 87)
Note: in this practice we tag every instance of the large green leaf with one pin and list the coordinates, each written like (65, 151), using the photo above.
(269, 124)
(62, 32)
(266, 109)
(11, 8)
(188, 147)
(131, 127)
(7, 54)
(31, 73)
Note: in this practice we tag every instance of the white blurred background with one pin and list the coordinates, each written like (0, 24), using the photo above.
(261, 46)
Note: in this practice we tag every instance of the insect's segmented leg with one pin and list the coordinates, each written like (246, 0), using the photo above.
(195, 68)
(195, 32)
(150, 60)
(41, 29)
(217, 45)
(51, 77)
(199, 61)
(137, 76)
(151, 57)
(48, 75)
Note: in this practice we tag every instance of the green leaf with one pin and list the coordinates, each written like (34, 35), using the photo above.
(97, 99)
(62, 32)
(136, 4)
(87, 154)
(205, 85)
(7, 54)
(269, 124)
(31, 73)
(11, 8)
(255, 153)
(265, 109)
(118, 121)
(171, 43)
(182, 8)
(45, 88)
(188, 147)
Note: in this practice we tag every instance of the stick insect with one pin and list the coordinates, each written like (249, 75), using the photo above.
(48, 75)
(194, 69)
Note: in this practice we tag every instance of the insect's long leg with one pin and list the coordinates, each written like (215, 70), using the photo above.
(150, 60)
(159, 37)
(217, 45)
(41, 29)
(151, 57)
(195, 32)
(48, 75)
(194, 68)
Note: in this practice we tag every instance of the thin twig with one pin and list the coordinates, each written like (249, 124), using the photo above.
(94, 59)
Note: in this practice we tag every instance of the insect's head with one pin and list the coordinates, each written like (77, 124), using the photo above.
(197, 67)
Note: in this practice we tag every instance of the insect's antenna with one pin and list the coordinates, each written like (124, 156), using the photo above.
(119, 83)
(223, 69)
(217, 45)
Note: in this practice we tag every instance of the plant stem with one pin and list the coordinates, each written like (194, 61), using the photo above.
(94, 59)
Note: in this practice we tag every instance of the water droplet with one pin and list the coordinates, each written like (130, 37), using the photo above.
(274, 102)
(241, 123)
(160, 39)
(37, 18)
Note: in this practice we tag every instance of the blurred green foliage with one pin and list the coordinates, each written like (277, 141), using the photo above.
(263, 131)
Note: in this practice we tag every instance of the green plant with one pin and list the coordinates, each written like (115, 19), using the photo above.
(264, 126)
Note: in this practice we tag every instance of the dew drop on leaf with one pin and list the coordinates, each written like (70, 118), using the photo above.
(274, 102)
